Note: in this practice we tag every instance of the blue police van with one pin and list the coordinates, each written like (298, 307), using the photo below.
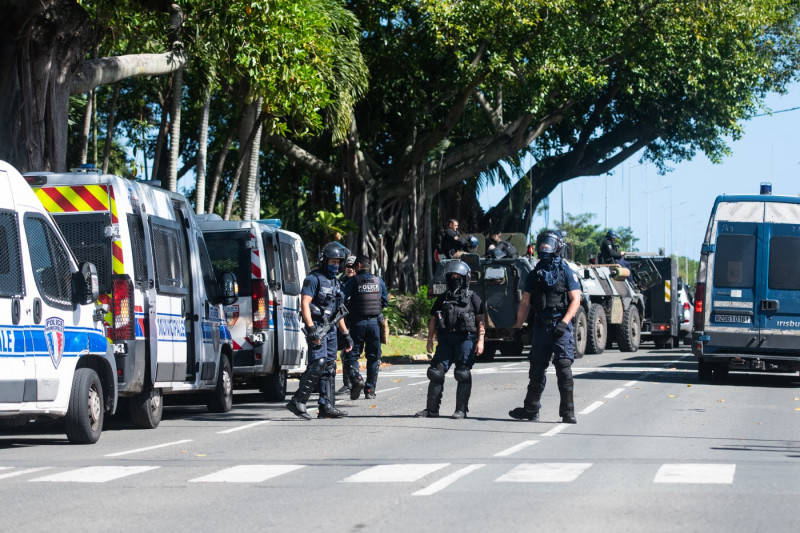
(747, 300)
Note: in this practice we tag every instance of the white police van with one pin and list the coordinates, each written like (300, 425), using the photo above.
(54, 359)
(159, 296)
(270, 265)
(747, 298)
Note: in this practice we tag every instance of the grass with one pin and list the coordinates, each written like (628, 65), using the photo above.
(403, 345)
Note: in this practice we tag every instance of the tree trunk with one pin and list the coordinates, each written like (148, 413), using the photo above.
(249, 184)
(242, 160)
(202, 152)
(161, 139)
(87, 129)
(175, 131)
(112, 110)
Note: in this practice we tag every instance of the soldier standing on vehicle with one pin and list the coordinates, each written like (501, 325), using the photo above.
(553, 289)
(321, 298)
(500, 249)
(609, 251)
(365, 296)
(452, 244)
(457, 320)
(349, 272)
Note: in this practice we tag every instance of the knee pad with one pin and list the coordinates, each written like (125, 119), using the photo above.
(436, 373)
(537, 370)
(317, 366)
(463, 375)
(562, 364)
(564, 374)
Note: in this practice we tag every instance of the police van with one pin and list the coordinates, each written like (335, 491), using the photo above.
(747, 298)
(270, 265)
(160, 299)
(54, 359)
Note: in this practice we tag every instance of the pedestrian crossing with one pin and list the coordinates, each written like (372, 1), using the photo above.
(441, 475)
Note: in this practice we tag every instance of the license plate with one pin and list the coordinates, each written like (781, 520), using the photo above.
(733, 319)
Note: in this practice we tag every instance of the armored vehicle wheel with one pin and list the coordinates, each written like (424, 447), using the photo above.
(84, 421)
(147, 407)
(221, 400)
(579, 328)
(704, 371)
(597, 330)
(629, 333)
(273, 387)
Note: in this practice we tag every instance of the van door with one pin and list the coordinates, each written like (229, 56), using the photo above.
(778, 300)
(172, 293)
(197, 360)
(735, 263)
(274, 278)
(17, 368)
(291, 269)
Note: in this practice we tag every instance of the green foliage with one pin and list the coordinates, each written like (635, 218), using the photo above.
(584, 238)
(397, 320)
(409, 313)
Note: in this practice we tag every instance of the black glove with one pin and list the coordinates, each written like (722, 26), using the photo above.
(561, 328)
(349, 340)
(314, 334)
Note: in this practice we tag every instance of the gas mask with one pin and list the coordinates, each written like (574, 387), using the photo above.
(453, 283)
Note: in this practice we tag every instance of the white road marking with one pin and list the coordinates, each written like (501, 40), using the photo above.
(446, 481)
(591, 407)
(418, 383)
(545, 472)
(615, 392)
(386, 390)
(696, 473)
(247, 474)
(514, 449)
(97, 474)
(246, 426)
(117, 454)
(558, 429)
(394, 473)
(630, 384)
(22, 472)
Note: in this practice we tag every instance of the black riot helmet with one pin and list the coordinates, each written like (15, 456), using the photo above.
(333, 250)
(460, 268)
(611, 234)
(549, 244)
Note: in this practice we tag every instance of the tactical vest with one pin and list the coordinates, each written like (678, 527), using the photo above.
(457, 314)
(366, 301)
(327, 298)
(552, 299)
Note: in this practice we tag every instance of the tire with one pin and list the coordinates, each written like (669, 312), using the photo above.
(221, 400)
(147, 407)
(86, 411)
(704, 371)
(579, 329)
(629, 333)
(597, 330)
(273, 387)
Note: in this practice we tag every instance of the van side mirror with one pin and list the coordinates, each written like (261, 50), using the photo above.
(87, 288)
(230, 288)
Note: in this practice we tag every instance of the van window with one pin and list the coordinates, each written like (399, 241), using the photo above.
(229, 253)
(85, 234)
(784, 258)
(167, 249)
(292, 284)
(50, 262)
(209, 279)
(735, 261)
(10, 264)
(138, 247)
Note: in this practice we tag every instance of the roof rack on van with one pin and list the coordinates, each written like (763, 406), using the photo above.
(270, 222)
(86, 168)
(152, 183)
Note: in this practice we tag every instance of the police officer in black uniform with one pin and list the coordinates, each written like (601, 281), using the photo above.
(554, 292)
(452, 242)
(320, 299)
(457, 320)
(609, 251)
(500, 249)
(365, 295)
(349, 272)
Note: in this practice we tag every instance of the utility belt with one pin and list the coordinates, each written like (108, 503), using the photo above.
(354, 317)
(550, 321)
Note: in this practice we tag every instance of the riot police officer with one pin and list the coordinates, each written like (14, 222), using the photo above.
(498, 248)
(320, 300)
(349, 272)
(554, 292)
(609, 251)
(457, 320)
(365, 295)
(452, 244)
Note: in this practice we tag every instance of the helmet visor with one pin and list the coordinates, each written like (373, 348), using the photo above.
(547, 244)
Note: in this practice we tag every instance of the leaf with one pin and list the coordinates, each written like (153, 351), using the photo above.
(672, 396)
(396, 380)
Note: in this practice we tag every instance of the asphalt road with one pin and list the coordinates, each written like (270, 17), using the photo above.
(653, 450)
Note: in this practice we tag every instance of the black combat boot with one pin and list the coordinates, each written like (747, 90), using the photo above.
(308, 381)
(435, 390)
(463, 392)
(567, 408)
(356, 386)
(529, 412)
(329, 411)
(530, 407)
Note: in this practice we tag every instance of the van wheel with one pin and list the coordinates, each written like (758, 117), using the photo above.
(273, 387)
(221, 400)
(629, 333)
(597, 330)
(704, 371)
(84, 421)
(579, 332)
(147, 407)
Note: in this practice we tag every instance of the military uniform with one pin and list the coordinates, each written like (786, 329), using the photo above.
(365, 296)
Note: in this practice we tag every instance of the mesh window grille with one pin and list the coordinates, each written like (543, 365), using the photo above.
(138, 247)
(50, 262)
(167, 255)
(10, 264)
(85, 234)
(209, 279)
(229, 253)
(291, 277)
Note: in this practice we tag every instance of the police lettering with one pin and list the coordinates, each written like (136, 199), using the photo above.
(6, 340)
(168, 327)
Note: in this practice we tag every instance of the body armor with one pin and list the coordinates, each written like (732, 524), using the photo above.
(366, 301)
(327, 299)
(457, 314)
(552, 299)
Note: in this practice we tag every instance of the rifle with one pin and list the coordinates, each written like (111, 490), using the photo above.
(321, 330)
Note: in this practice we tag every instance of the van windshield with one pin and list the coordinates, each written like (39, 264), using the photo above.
(735, 261)
(784, 258)
(230, 253)
(86, 235)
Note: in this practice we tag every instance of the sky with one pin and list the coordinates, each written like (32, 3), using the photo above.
(671, 211)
